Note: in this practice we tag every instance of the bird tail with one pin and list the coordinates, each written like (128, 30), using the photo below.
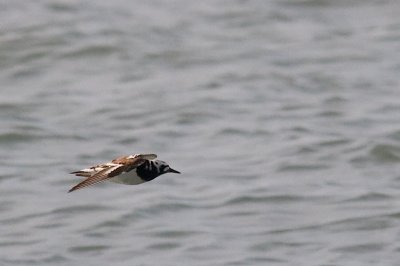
(82, 173)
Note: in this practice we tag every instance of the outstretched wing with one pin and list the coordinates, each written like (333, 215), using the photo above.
(88, 172)
(109, 170)
(100, 176)
(134, 159)
(150, 156)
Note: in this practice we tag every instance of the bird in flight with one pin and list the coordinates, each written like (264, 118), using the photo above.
(130, 170)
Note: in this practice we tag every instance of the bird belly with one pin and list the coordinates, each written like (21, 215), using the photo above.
(129, 178)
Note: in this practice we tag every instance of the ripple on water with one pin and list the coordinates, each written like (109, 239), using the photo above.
(19, 243)
(362, 248)
(394, 135)
(166, 246)
(17, 137)
(360, 223)
(378, 153)
(94, 50)
(41, 261)
(273, 199)
(174, 233)
(370, 196)
(89, 249)
(385, 153)
(80, 209)
(287, 167)
(23, 218)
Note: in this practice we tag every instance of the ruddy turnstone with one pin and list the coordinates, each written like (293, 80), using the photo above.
(129, 170)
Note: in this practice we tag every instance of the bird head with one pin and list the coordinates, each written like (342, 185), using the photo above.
(164, 168)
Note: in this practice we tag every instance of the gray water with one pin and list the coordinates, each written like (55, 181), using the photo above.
(283, 117)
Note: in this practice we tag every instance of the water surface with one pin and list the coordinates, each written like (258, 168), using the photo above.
(283, 117)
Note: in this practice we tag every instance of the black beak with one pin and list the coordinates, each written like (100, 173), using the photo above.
(173, 171)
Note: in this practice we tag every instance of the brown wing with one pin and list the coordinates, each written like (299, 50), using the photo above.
(149, 156)
(100, 176)
(134, 160)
